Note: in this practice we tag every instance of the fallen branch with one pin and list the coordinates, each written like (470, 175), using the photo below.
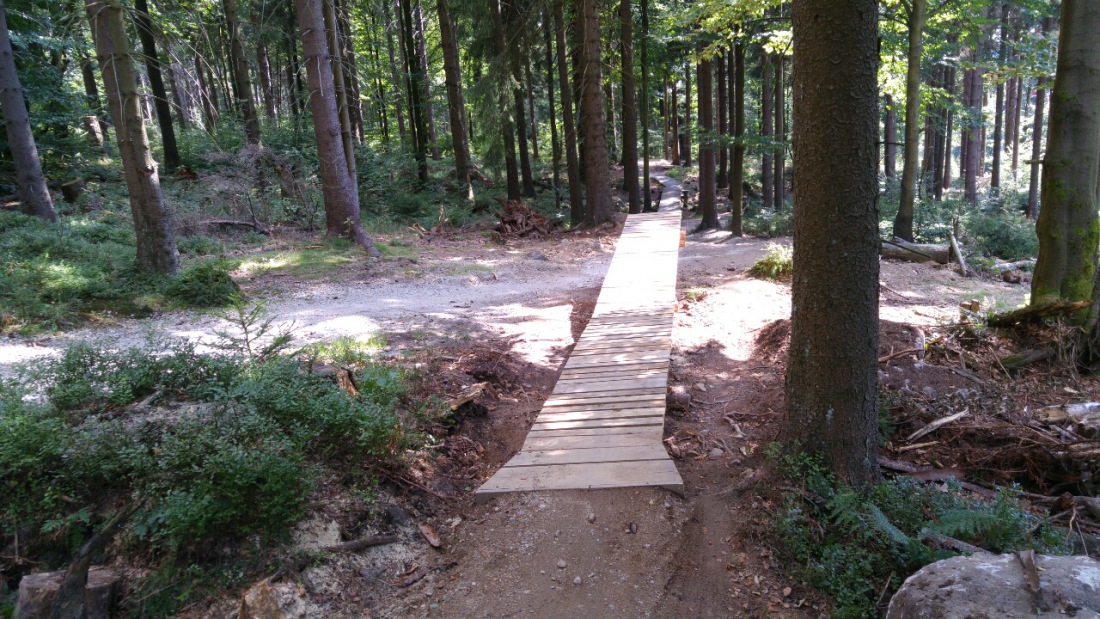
(936, 425)
(360, 544)
(901, 353)
(957, 545)
(963, 270)
(1017, 361)
(1033, 313)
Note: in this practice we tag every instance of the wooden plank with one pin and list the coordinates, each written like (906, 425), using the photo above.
(603, 359)
(597, 442)
(614, 413)
(590, 406)
(599, 385)
(653, 431)
(604, 397)
(585, 424)
(582, 456)
(633, 371)
(584, 476)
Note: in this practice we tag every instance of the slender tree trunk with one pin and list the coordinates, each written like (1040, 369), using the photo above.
(1015, 134)
(415, 77)
(576, 199)
(508, 132)
(832, 377)
(890, 129)
(395, 73)
(34, 197)
(630, 110)
(707, 190)
(532, 121)
(209, 107)
(456, 105)
(239, 69)
(685, 150)
(1068, 226)
(666, 154)
(263, 65)
(675, 114)
(156, 240)
(351, 72)
(975, 141)
(144, 25)
(426, 102)
(737, 164)
(767, 172)
(332, 30)
(609, 100)
(998, 123)
(647, 200)
(338, 185)
(597, 182)
(722, 180)
(179, 97)
(555, 144)
(903, 222)
(780, 134)
(1036, 150)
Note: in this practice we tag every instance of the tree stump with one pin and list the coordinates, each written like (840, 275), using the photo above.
(37, 593)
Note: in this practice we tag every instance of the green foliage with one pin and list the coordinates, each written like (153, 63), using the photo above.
(768, 223)
(256, 336)
(201, 245)
(777, 263)
(205, 284)
(847, 543)
(1002, 234)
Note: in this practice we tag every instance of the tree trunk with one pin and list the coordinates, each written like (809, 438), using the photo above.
(647, 201)
(1036, 149)
(179, 97)
(414, 85)
(998, 123)
(332, 31)
(239, 68)
(1068, 228)
(890, 137)
(707, 190)
(395, 73)
(156, 240)
(555, 144)
(630, 111)
(675, 135)
(508, 128)
(209, 107)
(426, 103)
(767, 99)
(665, 102)
(1015, 134)
(832, 377)
(576, 198)
(532, 121)
(737, 164)
(144, 25)
(722, 180)
(34, 197)
(780, 134)
(338, 186)
(263, 64)
(903, 222)
(597, 183)
(975, 142)
(685, 149)
(456, 105)
(351, 72)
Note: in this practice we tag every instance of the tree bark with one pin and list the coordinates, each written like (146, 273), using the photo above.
(456, 105)
(1015, 134)
(518, 102)
(903, 222)
(332, 31)
(647, 201)
(572, 165)
(722, 180)
(675, 135)
(597, 183)
(209, 108)
(975, 142)
(890, 137)
(737, 164)
(239, 68)
(338, 186)
(144, 23)
(685, 149)
(263, 65)
(415, 88)
(707, 190)
(1068, 227)
(767, 99)
(507, 129)
(34, 196)
(1036, 149)
(998, 123)
(156, 240)
(780, 134)
(532, 121)
(422, 54)
(630, 111)
(555, 144)
(832, 377)
(394, 71)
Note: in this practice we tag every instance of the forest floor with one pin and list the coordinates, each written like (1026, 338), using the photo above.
(468, 306)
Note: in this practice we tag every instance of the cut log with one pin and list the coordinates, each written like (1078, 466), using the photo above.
(1033, 313)
(1015, 362)
(37, 593)
(899, 249)
(957, 252)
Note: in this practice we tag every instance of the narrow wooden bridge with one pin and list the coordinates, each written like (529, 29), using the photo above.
(603, 424)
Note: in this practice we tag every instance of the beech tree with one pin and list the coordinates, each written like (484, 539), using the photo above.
(832, 376)
(34, 197)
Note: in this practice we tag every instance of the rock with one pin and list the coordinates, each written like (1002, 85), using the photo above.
(716, 453)
(1012, 276)
(37, 593)
(995, 586)
(929, 392)
(395, 515)
(562, 564)
(678, 399)
(701, 387)
(281, 601)
(591, 517)
(537, 255)
(577, 580)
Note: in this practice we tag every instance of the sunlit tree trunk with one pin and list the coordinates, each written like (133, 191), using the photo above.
(155, 236)
(722, 179)
(555, 144)
(890, 137)
(832, 376)
(456, 105)
(414, 85)
(903, 222)
(34, 196)
(395, 73)
(426, 102)
(647, 203)
(780, 135)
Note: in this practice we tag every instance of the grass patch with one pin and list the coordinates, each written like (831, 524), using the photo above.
(310, 262)
(397, 249)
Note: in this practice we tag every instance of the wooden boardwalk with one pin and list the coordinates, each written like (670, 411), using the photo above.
(602, 426)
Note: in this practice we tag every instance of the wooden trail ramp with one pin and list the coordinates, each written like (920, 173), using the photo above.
(603, 424)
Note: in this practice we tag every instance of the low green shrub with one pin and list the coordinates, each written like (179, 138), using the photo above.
(201, 245)
(777, 263)
(1001, 234)
(768, 223)
(205, 284)
(858, 548)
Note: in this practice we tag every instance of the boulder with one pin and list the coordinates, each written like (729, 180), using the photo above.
(37, 593)
(987, 586)
(280, 601)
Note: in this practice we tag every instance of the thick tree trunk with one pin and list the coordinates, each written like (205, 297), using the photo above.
(332, 30)
(890, 137)
(1068, 227)
(507, 130)
(572, 165)
(1036, 149)
(597, 182)
(239, 68)
(832, 376)
(722, 180)
(903, 222)
(737, 163)
(767, 100)
(34, 197)
(707, 189)
(144, 24)
(338, 186)
(975, 135)
(456, 105)
(156, 240)
(647, 200)
(780, 134)
(630, 111)
(426, 102)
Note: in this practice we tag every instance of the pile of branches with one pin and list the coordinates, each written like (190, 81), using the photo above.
(520, 220)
